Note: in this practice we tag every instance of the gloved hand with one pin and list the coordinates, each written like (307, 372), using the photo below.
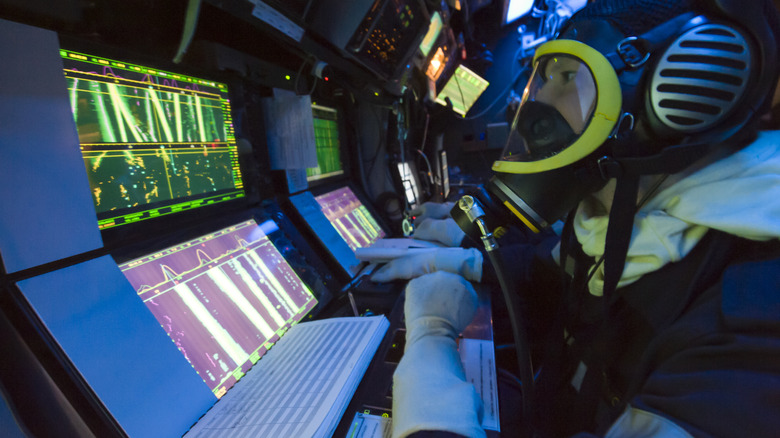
(431, 210)
(466, 262)
(430, 391)
(444, 231)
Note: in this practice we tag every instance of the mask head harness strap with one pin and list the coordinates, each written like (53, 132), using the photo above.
(633, 52)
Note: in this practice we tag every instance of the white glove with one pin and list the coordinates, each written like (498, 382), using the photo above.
(430, 391)
(465, 262)
(431, 210)
(445, 231)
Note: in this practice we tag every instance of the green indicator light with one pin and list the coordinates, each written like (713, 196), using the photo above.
(287, 77)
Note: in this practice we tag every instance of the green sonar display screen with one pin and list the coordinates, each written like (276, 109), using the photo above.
(153, 142)
(326, 139)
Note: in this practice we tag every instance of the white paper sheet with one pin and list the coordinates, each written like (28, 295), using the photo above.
(479, 363)
(289, 130)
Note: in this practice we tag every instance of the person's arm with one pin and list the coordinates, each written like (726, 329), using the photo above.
(472, 263)
(430, 391)
(461, 261)
(716, 371)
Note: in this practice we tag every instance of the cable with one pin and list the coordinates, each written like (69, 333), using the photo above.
(298, 76)
(372, 160)
(523, 349)
(425, 130)
(428, 164)
(306, 10)
(190, 22)
(499, 96)
(360, 163)
(475, 214)
(460, 90)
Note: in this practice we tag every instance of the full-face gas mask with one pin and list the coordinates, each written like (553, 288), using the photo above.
(622, 93)
(569, 108)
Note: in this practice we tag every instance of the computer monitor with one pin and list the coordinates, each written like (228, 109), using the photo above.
(328, 144)
(434, 30)
(462, 90)
(223, 298)
(154, 142)
(340, 222)
(350, 217)
(441, 58)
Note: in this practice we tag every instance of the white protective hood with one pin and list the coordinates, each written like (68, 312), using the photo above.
(739, 195)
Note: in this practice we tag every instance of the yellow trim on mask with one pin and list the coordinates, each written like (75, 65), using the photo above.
(521, 217)
(605, 115)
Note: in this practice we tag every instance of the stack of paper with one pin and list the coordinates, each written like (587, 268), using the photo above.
(302, 386)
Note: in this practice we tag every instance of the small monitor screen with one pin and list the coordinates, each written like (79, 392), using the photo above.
(153, 142)
(326, 139)
(462, 90)
(434, 29)
(514, 9)
(409, 183)
(437, 64)
(223, 298)
(350, 218)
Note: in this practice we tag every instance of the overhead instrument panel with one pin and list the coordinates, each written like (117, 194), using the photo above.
(383, 35)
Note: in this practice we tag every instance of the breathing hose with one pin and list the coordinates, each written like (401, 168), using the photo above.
(476, 214)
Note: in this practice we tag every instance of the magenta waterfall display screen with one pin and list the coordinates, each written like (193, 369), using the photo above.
(223, 298)
(350, 217)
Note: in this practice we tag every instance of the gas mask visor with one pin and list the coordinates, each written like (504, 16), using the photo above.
(568, 110)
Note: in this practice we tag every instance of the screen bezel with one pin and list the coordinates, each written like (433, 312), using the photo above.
(158, 227)
(273, 237)
(308, 231)
(319, 180)
(344, 147)
(449, 78)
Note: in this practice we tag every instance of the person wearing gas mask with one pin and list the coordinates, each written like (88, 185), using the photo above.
(640, 126)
